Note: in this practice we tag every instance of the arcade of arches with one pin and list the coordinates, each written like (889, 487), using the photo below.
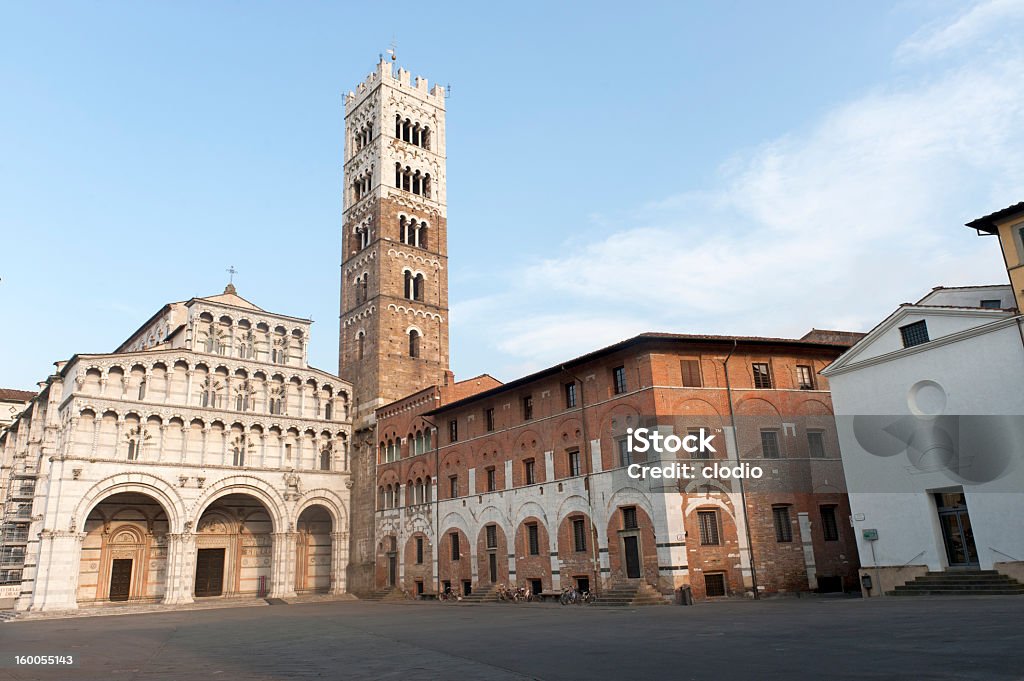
(234, 552)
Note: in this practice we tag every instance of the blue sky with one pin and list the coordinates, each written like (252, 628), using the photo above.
(734, 167)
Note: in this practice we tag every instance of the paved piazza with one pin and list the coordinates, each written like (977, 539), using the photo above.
(935, 638)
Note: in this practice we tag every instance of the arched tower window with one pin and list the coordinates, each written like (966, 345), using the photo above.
(360, 345)
(414, 343)
(325, 459)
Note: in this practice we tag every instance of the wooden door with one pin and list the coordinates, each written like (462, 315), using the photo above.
(121, 579)
(210, 572)
(632, 557)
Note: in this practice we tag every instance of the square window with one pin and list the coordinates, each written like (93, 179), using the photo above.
(804, 377)
(783, 526)
(530, 472)
(708, 522)
(714, 584)
(629, 518)
(762, 375)
(816, 444)
(528, 407)
(453, 486)
(489, 419)
(770, 444)
(829, 526)
(579, 534)
(533, 539)
(570, 395)
(619, 379)
(419, 550)
(991, 304)
(700, 453)
(574, 463)
(456, 553)
(625, 456)
(492, 536)
(492, 479)
(914, 334)
(691, 373)
(453, 430)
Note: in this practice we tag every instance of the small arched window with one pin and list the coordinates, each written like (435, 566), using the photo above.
(410, 288)
(325, 460)
(329, 410)
(238, 456)
(414, 343)
(133, 450)
(360, 344)
(418, 283)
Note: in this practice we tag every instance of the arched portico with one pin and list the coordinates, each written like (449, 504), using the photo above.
(124, 550)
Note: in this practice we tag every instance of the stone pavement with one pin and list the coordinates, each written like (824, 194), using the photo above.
(929, 638)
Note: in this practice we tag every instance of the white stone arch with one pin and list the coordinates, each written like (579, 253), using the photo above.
(492, 514)
(694, 503)
(572, 505)
(629, 496)
(421, 524)
(252, 486)
(143, 483)
(454, 520)
(528, 509)
(415, 328)
(330, 501)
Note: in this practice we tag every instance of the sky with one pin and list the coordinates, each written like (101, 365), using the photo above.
(731, 167)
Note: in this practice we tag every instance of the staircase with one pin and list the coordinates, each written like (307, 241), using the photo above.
(391, 593)
(488, 595)
(961, 583)
(631, 594)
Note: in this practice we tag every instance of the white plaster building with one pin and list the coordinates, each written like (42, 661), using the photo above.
(932, 465)
(202, 458)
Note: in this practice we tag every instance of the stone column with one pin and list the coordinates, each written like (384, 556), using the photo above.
(181, 560)
(117, 436)
(339, 562)
(188, 385)
(282, 567)
(56, 578)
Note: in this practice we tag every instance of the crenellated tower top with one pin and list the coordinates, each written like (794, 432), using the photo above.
(384, 73)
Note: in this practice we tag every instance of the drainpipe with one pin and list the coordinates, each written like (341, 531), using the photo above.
(743, 495)
(589, 485)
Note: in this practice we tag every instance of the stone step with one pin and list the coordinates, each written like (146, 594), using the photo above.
(961, 583)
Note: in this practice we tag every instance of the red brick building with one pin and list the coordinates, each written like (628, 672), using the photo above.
(527, 482)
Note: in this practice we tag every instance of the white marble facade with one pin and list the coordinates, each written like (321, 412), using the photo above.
(204, 438)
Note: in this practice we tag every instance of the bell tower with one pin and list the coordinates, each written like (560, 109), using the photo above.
(394, 271)
(394, 289)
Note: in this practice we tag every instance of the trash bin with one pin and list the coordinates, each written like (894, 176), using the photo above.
(684, 596)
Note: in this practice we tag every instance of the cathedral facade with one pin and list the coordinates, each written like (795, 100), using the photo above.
(204, 457)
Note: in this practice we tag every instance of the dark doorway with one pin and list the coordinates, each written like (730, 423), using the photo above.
(392, 569)
(956, 529)
(120, 579)
(632, 545)
(209, 572)
(583, 584)
(492, 565)
(467, 587)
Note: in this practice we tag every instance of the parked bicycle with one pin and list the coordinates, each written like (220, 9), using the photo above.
(514, 594)
(570, 595)
(449, 595)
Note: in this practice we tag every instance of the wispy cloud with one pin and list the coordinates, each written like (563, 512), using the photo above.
(964, 30)
(830, 227)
